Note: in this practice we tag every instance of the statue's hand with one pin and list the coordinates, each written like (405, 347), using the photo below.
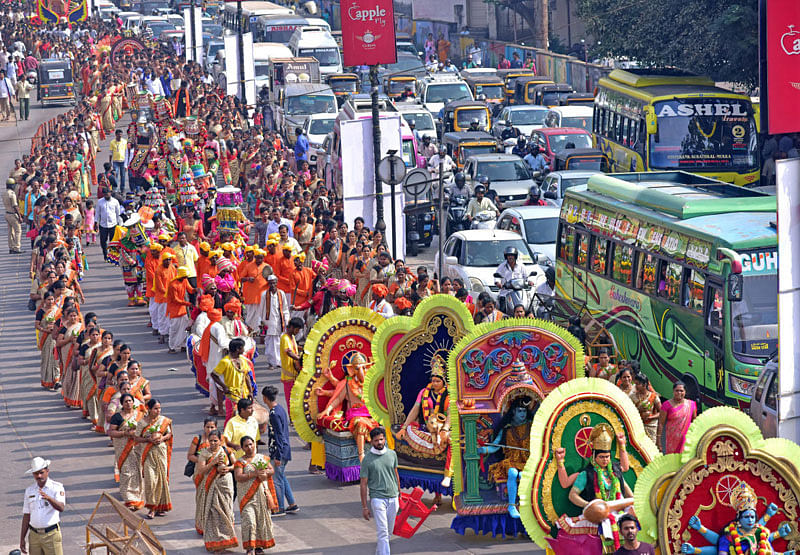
(622, 440)
(694, 523)
(784, 530)
(482, 450)
(560, 454)
(772, 509)
(687, 548)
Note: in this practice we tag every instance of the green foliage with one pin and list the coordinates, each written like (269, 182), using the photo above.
(708, 37)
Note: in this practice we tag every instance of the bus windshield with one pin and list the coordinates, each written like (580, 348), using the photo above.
(311, 104)
(704, 134)
(279, 33)
(325, 56)
(754, 320)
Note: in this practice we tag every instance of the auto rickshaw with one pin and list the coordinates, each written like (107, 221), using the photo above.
(420, 216)
(459, 114)
(577, 99)
(463, 144)
(54, 81)
(490, 87)
(551, 94)
(524, 88)
(343, 85)
(581, 159)
(509, 77)
(403, 85)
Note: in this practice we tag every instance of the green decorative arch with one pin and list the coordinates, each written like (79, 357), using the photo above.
(352, 328)
(401, 333)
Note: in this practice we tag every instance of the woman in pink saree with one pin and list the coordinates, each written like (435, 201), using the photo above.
(673, 422)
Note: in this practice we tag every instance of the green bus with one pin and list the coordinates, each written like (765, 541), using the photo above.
(682, 271)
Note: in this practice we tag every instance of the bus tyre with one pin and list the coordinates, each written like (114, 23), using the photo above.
(413, 248)
(692, 389)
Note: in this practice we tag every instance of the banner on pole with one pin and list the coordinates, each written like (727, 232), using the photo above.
(368, 36)
(783, 65)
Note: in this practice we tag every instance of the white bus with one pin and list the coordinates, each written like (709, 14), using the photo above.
(251, 11)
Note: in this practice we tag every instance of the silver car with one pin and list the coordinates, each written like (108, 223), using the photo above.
(526, 118)
(509, 176)
(764, 403)
(558, 182)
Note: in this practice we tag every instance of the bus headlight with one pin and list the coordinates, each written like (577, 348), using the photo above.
(740, 386)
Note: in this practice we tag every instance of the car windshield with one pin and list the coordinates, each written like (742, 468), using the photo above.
(403, 65)
(321, 126)
(541, 231)
(754, 320)
(582, 123)
(447, 92)
(709, 134)
(491, 92)
(325, 56)
(489, 254)
(311, 104)
(465, 117)
(568, 183)
(397, 87)
(473, 150)
(262, 70)
(527, 117)
(344, 85)
(579, 140)
(504, 170)
(421, 121)
(157, 28)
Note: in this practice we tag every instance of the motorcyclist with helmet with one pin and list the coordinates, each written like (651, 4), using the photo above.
(511, 269)
(447, 163)
(535, 159)
(509, 132)
(535, 197)
(480, 202)
(426, 149)
(459, 186)
(520, 149)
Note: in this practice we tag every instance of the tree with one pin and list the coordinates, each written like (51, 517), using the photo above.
(535, 14)
(708, 37)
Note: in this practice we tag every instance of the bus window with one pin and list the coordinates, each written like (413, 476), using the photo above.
(567, 243)
(622, 264)
(646, 277)
(693, 291)
(669, 282)
(714, 308)
(583, 249)
(600, 256)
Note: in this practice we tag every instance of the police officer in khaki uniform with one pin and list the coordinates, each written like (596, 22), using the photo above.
(41, 510)
(13, 217)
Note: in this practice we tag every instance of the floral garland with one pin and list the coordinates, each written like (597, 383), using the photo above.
(762, 537)
(608, 494)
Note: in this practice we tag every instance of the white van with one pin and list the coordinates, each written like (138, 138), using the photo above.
(319, 43)
(263, 52)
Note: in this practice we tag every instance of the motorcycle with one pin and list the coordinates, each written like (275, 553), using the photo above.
(485, 219)
(456, 212)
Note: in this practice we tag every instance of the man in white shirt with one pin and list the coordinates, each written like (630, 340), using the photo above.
(275, 223)
(274, 310)
(447, 163)
(6, 93)
(379, 303)
(511, 269)
(41, 508)
(107, 214)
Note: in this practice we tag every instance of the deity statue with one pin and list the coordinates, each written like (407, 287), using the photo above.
(513, 437)
(427, 426)
(351, 390)
(743, 536)
(599, 489)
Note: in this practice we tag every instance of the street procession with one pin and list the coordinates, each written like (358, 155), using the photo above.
(341, 277)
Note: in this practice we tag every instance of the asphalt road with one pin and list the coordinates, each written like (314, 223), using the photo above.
(34, 422)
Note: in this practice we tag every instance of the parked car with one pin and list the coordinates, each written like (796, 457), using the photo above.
(764, 403)
(473, 255)
(538, 225)
(509, 176)
(552, 140)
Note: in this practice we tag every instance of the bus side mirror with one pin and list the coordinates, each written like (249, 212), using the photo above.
(734, 286)
(650, 120)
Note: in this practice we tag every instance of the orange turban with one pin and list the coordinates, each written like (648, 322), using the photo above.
(215, 315)
(206, 303)
(234, 305)
(380, 290)
(402, 303)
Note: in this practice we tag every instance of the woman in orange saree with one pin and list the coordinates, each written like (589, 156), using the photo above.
(45, 324)
(123, 434)
(256, 500)
(67, 351)
(216, 464)
(154, 433)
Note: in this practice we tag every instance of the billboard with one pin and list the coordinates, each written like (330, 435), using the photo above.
(782, 56)
(368, 32)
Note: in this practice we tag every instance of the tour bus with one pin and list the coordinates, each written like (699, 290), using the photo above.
(319, 43)
(682, 271)
(251, 11)
(279, 28)
(648, 120)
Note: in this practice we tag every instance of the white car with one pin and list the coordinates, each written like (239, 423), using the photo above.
(316, 127)
(525, 117)
(538, 225)
(420, 117)
(473, 255)
(570, 116)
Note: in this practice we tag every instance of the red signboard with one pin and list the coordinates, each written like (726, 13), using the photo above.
(783, 66)
(368, 32)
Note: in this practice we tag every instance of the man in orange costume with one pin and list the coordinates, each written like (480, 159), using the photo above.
(163, 276)
(272, 256)
(284, 270)
(150, 264)
(203, 264)
(301, 283)
(253, 284)
(176, 309)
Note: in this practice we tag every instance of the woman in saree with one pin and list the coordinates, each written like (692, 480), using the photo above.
(199, 443)
(673, 422)
(91, 402)
(140, 387)
(67, 351)
(304, 233)
(121, 361)
(92, 341)
(256, 501)
(106, 109)
(647, 403)
(123, 434)
(215, 463)
(154, 433)
(46, 316)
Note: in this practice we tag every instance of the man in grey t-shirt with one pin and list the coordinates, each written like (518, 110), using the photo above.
(379, 477)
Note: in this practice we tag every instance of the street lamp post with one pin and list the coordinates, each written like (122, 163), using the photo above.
(241, 49)
(380, 224)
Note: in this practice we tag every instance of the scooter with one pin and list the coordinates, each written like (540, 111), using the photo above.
(485, 219)
(512, 293)
(456, 212)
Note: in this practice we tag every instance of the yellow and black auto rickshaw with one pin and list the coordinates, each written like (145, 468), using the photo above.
(343, 85)
(402, 85)
(510, 76)
(524, 88)
(581, 159)
(460, 114)
(551, 94)
(54, 81)
(577, 99)
(489, 88)
(463, 144)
